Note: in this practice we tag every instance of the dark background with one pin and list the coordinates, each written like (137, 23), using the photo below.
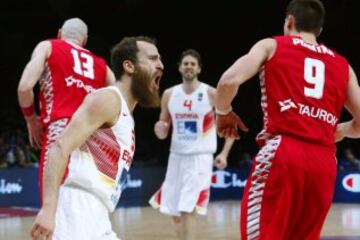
(220, 30)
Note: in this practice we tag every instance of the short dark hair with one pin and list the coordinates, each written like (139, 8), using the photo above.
(309, 15)
(193, 53)
(126, 49)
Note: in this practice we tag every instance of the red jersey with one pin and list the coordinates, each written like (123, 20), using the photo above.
(71, 73)
(303, 91)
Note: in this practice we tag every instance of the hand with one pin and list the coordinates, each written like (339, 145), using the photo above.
(161, 129)
(44, 224)
(339, 133)
(221, 161)
(35, 131)
(227, 125)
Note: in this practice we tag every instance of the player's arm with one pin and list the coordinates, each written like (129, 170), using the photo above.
(242, 70)
(162, 126)
(110, 77)
(100, 108)
(351, 129)
(221, 159)
(30, 76)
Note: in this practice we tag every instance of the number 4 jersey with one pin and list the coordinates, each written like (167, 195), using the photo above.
(71, 73)
(303, 91)
(192, 120)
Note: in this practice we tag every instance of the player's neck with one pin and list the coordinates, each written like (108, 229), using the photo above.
(307, 37)
(190, 86)
(126, 93)
(74, 41)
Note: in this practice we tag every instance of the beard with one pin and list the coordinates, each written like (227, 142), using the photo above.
(141, 89)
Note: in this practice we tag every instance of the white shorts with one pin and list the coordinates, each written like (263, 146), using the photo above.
(187, 185)
(81, 216)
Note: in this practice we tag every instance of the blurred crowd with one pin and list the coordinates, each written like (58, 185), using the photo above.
(15, 152)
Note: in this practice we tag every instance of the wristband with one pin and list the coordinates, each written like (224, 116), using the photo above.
(223, 112)
(28, 111)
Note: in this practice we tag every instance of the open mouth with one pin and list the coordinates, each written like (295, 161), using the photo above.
(157, 80)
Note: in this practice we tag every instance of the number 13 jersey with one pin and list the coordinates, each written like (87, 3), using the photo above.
(303, 91)
(71, 73)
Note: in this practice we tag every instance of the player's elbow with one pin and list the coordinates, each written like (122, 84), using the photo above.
(227, 80)
(24, 88)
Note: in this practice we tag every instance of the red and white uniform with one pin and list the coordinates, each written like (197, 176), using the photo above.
(291, 185)
(71, 73)
(193, 143)
(97, 175)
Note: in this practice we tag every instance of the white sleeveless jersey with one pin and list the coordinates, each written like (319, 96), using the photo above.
(193, 121)
(101, 164)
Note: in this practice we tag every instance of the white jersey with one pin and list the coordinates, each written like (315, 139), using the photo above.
(101, 164)
(193, 121)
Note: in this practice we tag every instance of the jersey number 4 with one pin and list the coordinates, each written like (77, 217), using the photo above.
(83, 64)
(314, 73)
(187, 104)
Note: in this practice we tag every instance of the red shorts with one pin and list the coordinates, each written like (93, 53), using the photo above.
(51, 133)
(289, 191)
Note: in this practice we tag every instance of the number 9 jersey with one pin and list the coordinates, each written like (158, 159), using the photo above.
(303, 89)
(71, 73)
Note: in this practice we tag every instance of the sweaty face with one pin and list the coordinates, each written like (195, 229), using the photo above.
(147, 75)
(189, 68)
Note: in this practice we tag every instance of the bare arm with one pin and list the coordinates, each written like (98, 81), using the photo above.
(227, 122)
(351, 128)
(30, 76)
(110, 77)
(162, 126)
(98, 109)
(242, 70)
(32, 73)
(221, 158)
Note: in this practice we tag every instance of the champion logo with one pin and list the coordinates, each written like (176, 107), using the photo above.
(351, 182)
(286, 105)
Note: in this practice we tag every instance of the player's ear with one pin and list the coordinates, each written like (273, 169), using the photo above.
(84, 41)
(128, 67)
(290, 22)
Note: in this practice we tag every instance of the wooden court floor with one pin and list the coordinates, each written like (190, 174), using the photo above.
(221, 223)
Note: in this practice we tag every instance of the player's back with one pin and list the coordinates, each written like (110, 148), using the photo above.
(303, 91)
(71, 73)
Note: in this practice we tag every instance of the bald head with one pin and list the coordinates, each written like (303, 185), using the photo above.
(74, 28)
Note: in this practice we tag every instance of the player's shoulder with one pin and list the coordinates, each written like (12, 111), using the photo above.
(106, 97)
(168, 91)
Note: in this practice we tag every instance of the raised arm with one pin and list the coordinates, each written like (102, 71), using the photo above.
(162, 126)
(100, 108)
(242, 70)
(351, 129)
(30, 76)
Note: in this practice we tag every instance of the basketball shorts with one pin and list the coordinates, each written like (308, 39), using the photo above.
(289, 191)
(51, 133)
(81, 216)
(187, 185)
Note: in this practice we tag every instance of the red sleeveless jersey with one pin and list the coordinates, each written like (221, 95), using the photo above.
(71, 73)
(303, 91)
